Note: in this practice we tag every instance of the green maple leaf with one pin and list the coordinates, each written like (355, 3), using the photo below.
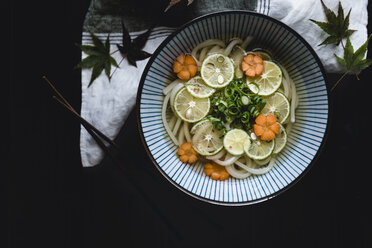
(337, 26)
(99, 58)
(354, 61)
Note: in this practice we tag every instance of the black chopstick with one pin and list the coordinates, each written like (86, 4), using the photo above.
(89, 130)
(84, 122)
(115, 156)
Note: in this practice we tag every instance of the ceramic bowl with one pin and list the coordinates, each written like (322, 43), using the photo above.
(308, 134)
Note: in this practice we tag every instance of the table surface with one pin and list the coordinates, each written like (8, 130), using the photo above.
(51, 201)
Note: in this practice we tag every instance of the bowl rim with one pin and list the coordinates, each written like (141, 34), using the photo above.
(159, 49)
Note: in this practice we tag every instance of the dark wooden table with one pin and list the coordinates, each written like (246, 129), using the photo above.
(51, 201)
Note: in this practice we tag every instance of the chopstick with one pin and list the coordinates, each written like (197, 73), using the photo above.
(115, 156)
(84, 122)
(90, 131)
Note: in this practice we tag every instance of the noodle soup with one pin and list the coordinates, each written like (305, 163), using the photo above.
(231, 107)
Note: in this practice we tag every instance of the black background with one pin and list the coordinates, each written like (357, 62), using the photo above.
(51, 201)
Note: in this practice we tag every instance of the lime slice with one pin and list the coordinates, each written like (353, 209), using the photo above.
(253, 87)
(196, 87)
(278, 105)
(259, 150)
(234, 141)
(198, 125)
(206, 138)
(190, 108)
(280, 140)
(217, 70)
(269, 81)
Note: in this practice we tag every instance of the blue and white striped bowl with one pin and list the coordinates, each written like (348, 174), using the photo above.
(305, 140)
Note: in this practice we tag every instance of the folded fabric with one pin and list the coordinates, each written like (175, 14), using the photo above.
(107, 104)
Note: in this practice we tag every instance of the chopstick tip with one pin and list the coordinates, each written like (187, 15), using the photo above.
(45, 79)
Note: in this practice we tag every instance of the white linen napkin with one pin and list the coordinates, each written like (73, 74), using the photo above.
(107, 104)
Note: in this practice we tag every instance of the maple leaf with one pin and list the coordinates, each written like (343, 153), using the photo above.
(353, 61)
(99, 58)
(132, 49)
(337, 26)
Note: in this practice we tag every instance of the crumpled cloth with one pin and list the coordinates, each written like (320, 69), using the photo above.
(107, 105)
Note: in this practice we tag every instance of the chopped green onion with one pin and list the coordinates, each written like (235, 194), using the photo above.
(233, 110)
(221, 107)
(245, 100)
(252, 109)
(229, 119)
(235, 106)
(229, 91)
(245, 117)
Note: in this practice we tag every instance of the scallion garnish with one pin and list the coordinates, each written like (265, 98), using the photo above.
(236, 106)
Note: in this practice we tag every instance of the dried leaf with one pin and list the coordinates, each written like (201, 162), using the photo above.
(126, 40)
(174, 2)
(171, 3)
(133, 49)
(140, 41)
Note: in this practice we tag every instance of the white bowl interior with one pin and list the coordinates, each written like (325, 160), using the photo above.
(307, 133)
